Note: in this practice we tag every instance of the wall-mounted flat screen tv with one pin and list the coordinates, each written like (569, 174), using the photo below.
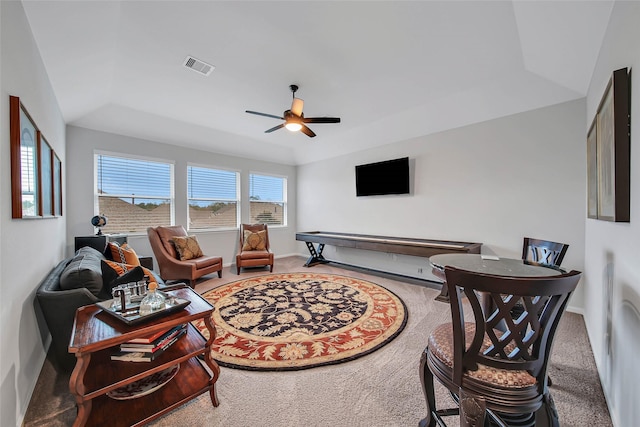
(388, 177)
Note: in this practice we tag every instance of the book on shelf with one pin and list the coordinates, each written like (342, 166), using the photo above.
(146, 356)
(150, 338)
(133, 356)
(155, 344)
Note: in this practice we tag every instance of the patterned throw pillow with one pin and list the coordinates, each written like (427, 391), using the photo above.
(187, 247)
(112, 270)
(123, 254)
(255, 241)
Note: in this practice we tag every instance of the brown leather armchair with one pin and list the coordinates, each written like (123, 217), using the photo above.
(254, 252)
(169, 263)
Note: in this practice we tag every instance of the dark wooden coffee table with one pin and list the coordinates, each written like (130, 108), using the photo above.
(97, 335)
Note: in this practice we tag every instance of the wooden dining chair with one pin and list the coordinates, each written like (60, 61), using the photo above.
(493, 373)
(543, 252)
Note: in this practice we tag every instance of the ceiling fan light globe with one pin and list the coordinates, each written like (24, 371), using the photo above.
(293, 127)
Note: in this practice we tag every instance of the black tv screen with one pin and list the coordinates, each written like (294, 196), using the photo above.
(388, 177)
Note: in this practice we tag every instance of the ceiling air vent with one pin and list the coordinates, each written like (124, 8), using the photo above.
(198, 66)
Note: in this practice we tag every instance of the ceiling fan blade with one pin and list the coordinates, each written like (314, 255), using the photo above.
(307, 131)
(280, 126)
(264, 114)
(321, 119)
(296, 106)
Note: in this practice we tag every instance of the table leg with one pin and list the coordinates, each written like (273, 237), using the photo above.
(212, 364)
(78, 389)
(444, 294)
(316, 255)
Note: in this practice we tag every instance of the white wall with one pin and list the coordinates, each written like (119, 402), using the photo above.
(28, 248)
(611, 253)
(81, 146)
(494, 182)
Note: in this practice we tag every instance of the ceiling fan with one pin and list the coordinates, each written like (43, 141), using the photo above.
(294, 119)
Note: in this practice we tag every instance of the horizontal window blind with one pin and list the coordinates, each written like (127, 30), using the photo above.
(267, 199)
(134, 194)
(266, 188)
(214, 184)
(125, 176)
(213, 198)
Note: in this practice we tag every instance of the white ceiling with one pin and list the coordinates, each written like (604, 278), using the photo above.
(390, 70)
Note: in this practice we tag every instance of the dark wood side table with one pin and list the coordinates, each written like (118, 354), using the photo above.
(99, 241)
(146, 262)
(96, 335)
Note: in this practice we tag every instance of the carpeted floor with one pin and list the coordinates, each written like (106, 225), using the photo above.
(381, 389)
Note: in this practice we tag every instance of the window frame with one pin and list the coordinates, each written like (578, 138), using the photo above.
(237, 200)
(285, 183)
(129, 156)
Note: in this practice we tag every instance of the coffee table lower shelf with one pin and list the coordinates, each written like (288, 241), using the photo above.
(191, 380)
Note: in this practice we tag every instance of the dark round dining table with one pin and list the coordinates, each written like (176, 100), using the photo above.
(508, 267)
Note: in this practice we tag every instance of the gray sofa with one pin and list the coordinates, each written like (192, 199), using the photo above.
(76, 281)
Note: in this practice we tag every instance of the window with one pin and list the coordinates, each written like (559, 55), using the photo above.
(267, 199)
(213, 198)
(134, 193)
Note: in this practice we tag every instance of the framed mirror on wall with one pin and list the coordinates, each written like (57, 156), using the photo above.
(36, 170)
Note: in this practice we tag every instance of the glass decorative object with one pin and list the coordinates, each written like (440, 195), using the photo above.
(152, 302)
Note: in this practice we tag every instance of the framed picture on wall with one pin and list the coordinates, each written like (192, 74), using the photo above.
(36, 170)
(45, 167)
(57, 185)
(24, 162)
(608, 153)
(592, 172)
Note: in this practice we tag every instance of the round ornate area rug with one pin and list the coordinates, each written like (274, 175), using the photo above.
(301, 320)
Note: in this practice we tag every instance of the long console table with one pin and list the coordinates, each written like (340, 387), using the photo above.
(397, 245)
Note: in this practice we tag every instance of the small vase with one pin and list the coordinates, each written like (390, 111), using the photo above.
(152, 302)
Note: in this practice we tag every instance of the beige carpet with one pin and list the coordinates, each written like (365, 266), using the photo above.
(381, 389)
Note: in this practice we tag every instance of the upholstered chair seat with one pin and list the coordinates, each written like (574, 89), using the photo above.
(517, 385)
